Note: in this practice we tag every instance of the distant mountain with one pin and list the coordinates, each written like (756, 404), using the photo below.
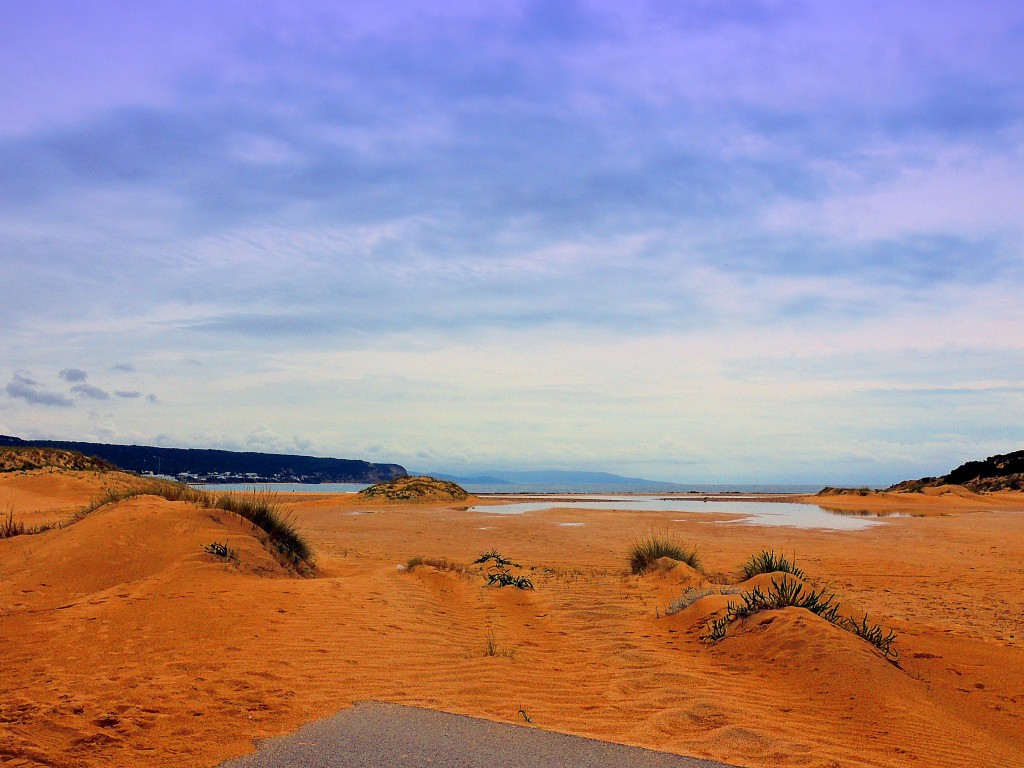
(558, 477)
(213, 466)
(1003, 472)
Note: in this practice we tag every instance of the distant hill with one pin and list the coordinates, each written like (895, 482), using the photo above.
(558, 477)
(1004, 472)
(213, 466)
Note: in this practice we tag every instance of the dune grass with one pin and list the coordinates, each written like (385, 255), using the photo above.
(643, 552)
(788, 593)
(262, 509)
(491, 647)
(10, 527)
(766, 561)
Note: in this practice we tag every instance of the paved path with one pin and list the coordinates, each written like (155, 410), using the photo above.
(376, 735)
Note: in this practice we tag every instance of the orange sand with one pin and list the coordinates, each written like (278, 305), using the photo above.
(123, 644)
(50, 496)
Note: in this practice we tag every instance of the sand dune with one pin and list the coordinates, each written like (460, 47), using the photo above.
(48, 496)
(125, 644)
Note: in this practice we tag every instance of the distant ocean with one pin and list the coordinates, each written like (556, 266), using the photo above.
(530, 488)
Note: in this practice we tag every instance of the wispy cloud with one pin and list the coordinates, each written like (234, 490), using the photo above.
(25, 388)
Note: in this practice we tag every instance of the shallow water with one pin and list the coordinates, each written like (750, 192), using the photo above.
(768, 513)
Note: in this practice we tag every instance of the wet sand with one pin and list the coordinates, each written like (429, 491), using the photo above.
(124, 644)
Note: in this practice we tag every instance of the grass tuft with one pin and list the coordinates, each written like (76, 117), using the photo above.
(874, 634)
(10, 527)
(766, 561)
(491, 647)
(653, 546)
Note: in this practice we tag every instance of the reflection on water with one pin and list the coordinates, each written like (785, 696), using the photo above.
(769, 513)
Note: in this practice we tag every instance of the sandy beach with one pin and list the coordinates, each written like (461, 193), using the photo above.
(125, 644)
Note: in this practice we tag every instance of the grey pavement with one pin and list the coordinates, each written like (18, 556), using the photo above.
(377, 735)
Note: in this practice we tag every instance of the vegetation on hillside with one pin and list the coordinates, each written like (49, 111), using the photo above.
(16, 459)
(423, 488)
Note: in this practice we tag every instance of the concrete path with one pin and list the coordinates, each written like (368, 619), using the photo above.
(376, 735)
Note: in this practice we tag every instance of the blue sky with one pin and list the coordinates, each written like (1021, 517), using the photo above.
(705, 241)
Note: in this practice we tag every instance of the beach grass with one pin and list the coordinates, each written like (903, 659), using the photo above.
(767, 561)
(652, 546)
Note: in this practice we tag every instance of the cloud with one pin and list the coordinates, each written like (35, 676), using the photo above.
(151, 398)
(73, 374)
(31, 392)
(128, 395)
(123, 367)
(91, 392)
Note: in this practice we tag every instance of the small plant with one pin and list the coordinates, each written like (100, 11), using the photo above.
(220, 550)
(499, 572)
(499, 561)
(10, 527)
(505, 579)
(874, 634)
(645, 551)
(715, 629)
(766, 561)
(491, 647)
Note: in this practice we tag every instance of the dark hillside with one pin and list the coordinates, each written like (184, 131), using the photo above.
(206, 465)
(1003, 472)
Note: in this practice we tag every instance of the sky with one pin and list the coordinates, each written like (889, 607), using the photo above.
(732, 241)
